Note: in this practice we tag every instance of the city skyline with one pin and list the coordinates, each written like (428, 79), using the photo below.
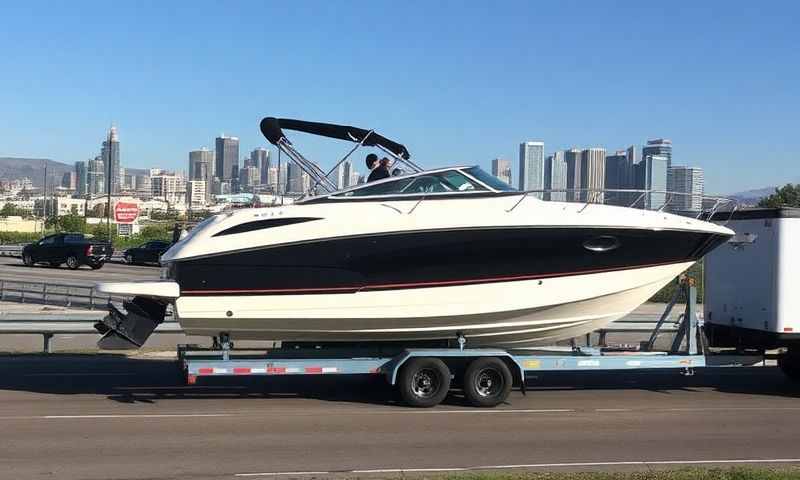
(716, 93)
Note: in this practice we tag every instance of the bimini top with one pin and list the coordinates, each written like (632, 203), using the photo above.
(272, 127)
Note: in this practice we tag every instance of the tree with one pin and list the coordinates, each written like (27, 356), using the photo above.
(72, 223)
(786, 196)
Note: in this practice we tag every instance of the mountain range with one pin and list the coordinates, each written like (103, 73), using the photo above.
(15, 168)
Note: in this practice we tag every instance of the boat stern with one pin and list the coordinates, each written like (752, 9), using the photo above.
(130, 326)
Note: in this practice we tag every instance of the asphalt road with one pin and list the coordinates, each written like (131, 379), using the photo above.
(12, 269)
(109, 417)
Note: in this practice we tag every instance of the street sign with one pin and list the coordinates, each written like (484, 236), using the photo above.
(125, 212)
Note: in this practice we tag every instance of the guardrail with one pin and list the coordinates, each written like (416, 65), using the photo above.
(65, 295)
(50, 324)
(11, 250)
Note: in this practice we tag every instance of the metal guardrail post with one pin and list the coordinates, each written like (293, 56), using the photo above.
(2, 290)
(91, 298)
(22, 294)
(44, 293)
(48, 337)
(68, 302)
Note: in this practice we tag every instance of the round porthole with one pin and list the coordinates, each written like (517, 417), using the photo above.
(603, 243)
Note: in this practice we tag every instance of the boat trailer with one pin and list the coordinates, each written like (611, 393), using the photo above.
(424, 375)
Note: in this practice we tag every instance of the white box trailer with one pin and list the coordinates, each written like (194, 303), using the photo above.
(752, 284)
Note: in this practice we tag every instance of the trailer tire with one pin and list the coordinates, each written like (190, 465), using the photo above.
(424, 382)
(789, 364)
(487, 382)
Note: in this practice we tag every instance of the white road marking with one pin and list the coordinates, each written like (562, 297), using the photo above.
(126, 374)
(102, 416)
(530, 465)
(476, 410)
(613, 409)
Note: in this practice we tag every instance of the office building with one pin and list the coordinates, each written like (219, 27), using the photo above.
(651, 174)
(572, 157)
(168, 187)
(260, 158)
(249, 177)
(110, 157)
(81, 179)
(501, 168)
(96, 177)
(593, 173)
(294, 178)
(196, 194)
(556, 177)
(227, 158)
(619, 176)
(687, 183)
(201, 167)
(531, 167)
(341, 176)
(659, 146)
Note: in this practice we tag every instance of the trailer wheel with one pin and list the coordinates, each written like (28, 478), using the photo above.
(789, 364)
(487, 382)
(424, 382)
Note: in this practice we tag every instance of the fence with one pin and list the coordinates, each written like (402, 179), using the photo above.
(64, 295)
(11, 250)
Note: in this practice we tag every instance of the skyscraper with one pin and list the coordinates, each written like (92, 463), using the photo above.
(249, 177)
(201, 166)
(619, 176)
(593, 174)
(501, 168)
(110, 156)
(294, 178)
(573, 159)
(688, 184)
(531, 166)
(651, 174)
(260, 158)
(96, 176)
(341, 176)
(556, 176)
(659, 146)
(80, 179)
(227, 158)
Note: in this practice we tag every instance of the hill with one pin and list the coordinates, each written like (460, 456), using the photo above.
(13, 168)
(751, 197)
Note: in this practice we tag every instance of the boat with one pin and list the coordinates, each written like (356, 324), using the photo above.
(443, 255)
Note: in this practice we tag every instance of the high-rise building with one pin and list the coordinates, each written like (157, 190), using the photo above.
(619, 176)
(573, 159)
(227, 158)
(688, 185)
(659, 146)
(341, 176)
(96, 177)
(501, 168)
(196, 193)
(168, 187)
(260, 158)
(651, 174)
(249, 177)
(593, 174)
(531, 166)
(68, 180)
(294, 178)
(556, 177)
(355, 178)
(111, 165)
(142, 186)
(81, 179)
(201, 167)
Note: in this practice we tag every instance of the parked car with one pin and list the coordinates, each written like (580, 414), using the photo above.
(74, 249)
(148, 252)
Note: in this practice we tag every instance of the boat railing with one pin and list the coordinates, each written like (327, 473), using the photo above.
(699, 206)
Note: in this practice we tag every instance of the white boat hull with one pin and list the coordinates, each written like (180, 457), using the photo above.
(506, 314)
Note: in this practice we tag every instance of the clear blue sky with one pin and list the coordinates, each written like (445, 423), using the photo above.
(455, 83)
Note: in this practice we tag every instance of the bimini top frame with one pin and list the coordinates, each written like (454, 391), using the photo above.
(272, 129)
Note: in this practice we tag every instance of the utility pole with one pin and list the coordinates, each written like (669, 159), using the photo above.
(108, 186)
(44, 198)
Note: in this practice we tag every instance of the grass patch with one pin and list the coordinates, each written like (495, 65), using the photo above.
(737, 473)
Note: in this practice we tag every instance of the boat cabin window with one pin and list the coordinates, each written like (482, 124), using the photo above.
(491, 180)
(449, 181)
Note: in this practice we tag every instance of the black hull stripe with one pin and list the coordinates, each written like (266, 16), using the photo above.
(413, 285)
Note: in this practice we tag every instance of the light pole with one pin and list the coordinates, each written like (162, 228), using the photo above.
(108, 186)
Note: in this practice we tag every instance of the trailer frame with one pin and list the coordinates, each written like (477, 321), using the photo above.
(222, 360)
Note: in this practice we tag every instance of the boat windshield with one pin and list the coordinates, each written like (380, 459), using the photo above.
(490, 180)
(448, 181)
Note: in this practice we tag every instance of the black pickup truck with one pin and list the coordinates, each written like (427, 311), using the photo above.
(71, 248)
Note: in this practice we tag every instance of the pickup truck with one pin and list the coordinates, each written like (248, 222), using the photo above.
(74, 249)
